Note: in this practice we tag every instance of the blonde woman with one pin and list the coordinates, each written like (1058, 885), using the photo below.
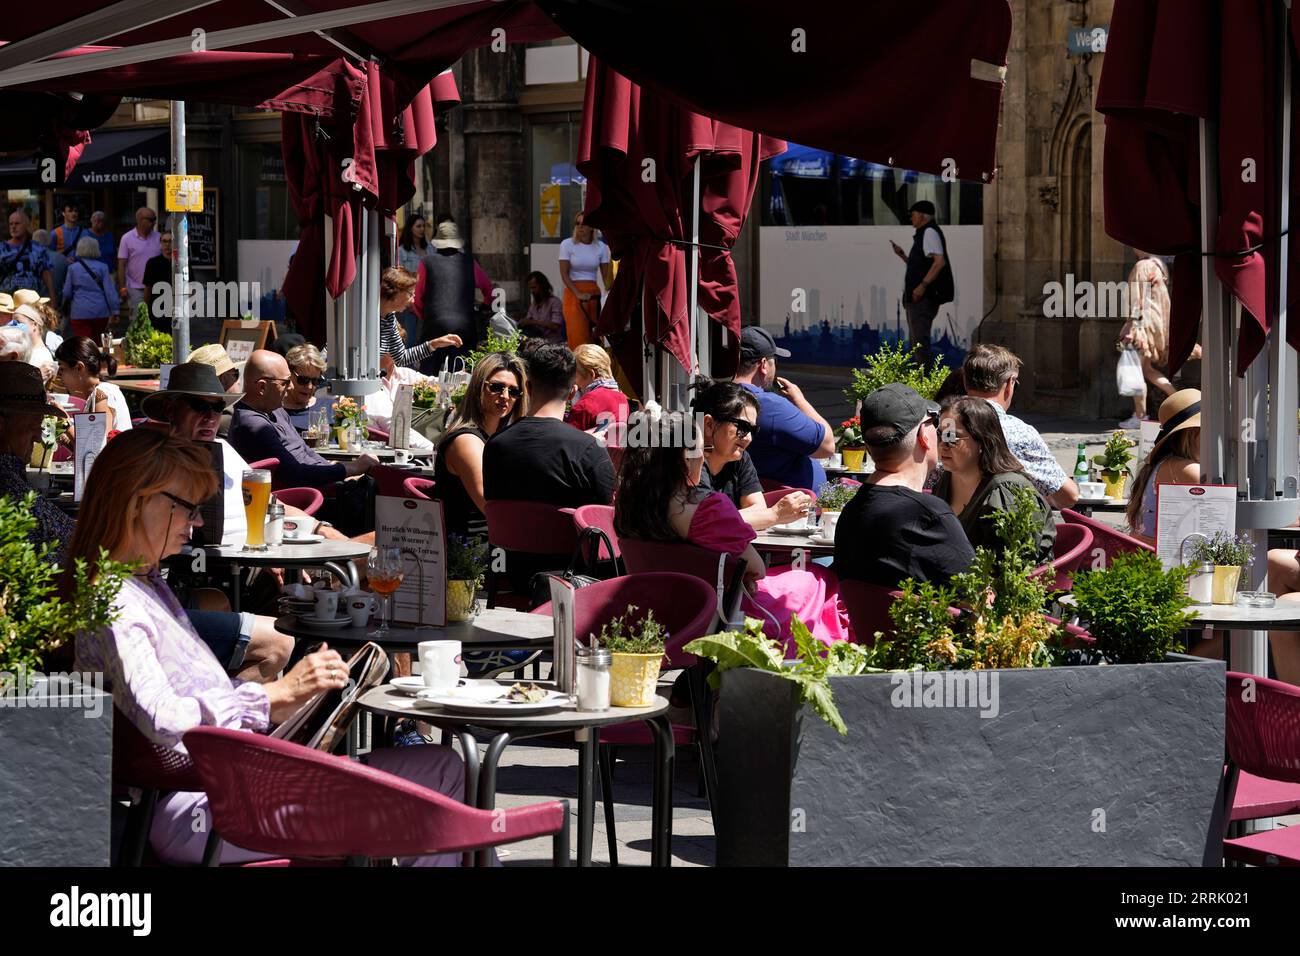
(598, 398)
(581, 257)
(306, 379)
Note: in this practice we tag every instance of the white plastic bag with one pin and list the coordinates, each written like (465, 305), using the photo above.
(1128, 374)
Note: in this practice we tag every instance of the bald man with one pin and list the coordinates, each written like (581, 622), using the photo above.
(133, 253)
(260, 428)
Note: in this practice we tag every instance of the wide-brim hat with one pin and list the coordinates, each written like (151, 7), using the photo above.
(29, 297)
(6, 302)
(213, 355)
(1180, 411)
(22, 389)
(195, 379)
(447, 237)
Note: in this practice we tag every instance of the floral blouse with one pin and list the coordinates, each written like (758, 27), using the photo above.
(163, 678)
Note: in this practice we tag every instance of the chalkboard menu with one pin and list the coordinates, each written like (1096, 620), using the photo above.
(205, 233)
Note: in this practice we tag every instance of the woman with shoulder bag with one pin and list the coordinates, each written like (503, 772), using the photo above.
(90, 299)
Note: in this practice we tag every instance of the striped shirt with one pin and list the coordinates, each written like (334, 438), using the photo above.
(390, 341)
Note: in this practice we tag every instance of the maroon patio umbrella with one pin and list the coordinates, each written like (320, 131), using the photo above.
(638, 150)
(1169, 64)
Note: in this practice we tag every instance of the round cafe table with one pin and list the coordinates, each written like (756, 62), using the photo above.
(785, 545)
(493, 629)
(480, 779)
(334, 453)
(334, 555)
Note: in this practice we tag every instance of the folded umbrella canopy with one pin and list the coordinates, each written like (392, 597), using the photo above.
(1170, 64)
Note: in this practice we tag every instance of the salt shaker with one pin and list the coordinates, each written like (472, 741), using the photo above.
(593, 678)
(274, 536)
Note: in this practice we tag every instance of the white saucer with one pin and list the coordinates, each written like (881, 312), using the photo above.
(312, 621)
(305, 539)
(793, 528)
(818, 539)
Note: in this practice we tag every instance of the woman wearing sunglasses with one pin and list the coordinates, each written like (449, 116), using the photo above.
(980, 473)
(493, 399)
(140, 507)
(660, 499)
(730, 422)
(307, 393)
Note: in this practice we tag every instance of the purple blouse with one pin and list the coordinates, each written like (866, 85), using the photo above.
(163, 678)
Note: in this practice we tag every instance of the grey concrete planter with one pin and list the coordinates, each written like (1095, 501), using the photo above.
(55, 780)
(1091, 766)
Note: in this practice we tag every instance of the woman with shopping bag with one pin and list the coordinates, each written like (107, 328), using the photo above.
(1144, 340)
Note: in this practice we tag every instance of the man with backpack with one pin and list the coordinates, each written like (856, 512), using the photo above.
(928, 282)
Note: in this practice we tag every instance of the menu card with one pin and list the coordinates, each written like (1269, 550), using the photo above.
(91, 432)
(1182, 510)
(417, 526)
(564, 648)
(399, 425)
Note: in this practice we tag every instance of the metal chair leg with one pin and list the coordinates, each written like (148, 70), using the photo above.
(139, 819)
(605, 755)
(560, 842)
(701, 704)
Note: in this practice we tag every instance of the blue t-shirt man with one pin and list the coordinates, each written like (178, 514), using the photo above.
(789, 432)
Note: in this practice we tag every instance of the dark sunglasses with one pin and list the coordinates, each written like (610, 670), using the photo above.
(193, 509)
(204, 408)
(743, 428)
(500, 388)
(307, 380)
(951, 439)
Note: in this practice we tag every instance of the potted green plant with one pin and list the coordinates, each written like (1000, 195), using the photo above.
(467, 563)
(849, 441)
(52, 428)
(831, 499)
(1113, 463)
(892, 363)
(636, 644)
(143, 345)
(1133, 609)
(1229, 556)
(55, 727)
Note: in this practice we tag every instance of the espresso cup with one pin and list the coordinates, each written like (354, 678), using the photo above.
(401, 456)
(292, 528)
(439, 664)
(327, 604)
(360, 607)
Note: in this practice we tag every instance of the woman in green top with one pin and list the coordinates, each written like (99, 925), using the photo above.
(979, 473)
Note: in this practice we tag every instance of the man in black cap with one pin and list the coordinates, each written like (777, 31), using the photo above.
(791, 435)
(928, 281)
(891, 530)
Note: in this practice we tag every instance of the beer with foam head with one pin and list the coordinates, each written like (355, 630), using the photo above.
(257, 496)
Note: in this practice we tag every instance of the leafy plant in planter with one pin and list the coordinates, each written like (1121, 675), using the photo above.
(425, 394)
(891, 363)
(145, 346)
(467, 563)
(1135, 608)
(1223, 550)
(1113, 462)
(493, 342)
(636, 643)
(810, 670)
(34, 620)
(834, 495)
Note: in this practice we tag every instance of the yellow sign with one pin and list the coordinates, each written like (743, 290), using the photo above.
(184, 193)
(549, 210)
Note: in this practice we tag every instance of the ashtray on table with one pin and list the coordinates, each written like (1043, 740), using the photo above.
(1256, 599)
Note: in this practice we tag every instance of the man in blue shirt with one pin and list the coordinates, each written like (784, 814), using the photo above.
(791, 435)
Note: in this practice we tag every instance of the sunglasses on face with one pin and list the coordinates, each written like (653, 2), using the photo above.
(951, 439)
(193, 514)
(744, 429)
(205, 407)
(278, 381)
(308, 381)
(501, 388)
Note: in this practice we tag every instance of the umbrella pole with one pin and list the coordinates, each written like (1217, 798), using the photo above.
(699, 330)
(181, 241)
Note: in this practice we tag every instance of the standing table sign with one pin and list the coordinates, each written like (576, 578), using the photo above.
(91, 433)
(1182, 510)
(399, 424)
(417, 527)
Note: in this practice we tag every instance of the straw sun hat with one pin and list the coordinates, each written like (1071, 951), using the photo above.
(214, 355)
(447, 237)
(23, 390)
(1179, 411)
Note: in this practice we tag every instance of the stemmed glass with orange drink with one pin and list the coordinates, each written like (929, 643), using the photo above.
(384, 570)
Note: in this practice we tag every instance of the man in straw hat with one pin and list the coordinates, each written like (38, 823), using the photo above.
(246, 644)
(227, 373)
(23, 406)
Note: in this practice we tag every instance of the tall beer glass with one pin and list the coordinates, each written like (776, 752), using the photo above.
(257, 495)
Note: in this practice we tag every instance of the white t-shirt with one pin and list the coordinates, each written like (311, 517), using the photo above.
(234, 528)
(584, 258)
(931, 244)
(117, 402)
(379, 405)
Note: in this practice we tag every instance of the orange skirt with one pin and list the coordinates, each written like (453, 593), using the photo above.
(580, 317)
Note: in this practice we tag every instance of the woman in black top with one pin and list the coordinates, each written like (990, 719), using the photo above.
(980, 473)
(729, 422)
(493, 399)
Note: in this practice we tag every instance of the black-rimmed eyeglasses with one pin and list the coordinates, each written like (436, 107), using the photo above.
(193, 512)
(202, 407)
(744, 429)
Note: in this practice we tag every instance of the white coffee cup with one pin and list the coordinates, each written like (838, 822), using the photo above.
(292, 528)
(439, 664)
(401, 456)
(836, 460)
(327, 604)
(1092, 489)
(829, 518)
(360, 607)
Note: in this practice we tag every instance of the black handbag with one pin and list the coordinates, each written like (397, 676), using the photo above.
(578, 573)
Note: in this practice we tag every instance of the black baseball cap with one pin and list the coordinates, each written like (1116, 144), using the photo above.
(897, 405)
(922, 205)
(756, 342)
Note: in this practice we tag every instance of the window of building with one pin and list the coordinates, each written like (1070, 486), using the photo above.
(556, 188)
(266, 211)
